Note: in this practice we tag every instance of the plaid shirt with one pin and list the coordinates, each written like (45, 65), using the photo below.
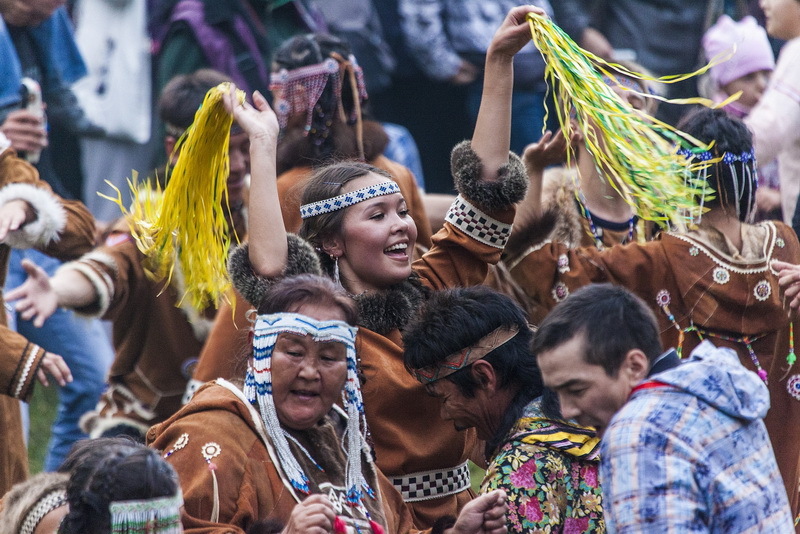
(694, 456)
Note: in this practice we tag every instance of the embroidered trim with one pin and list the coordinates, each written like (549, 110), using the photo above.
(694, 251)
(102, 283)
(763, 290)
(34, 350)
(183, 440)
(48, 503)
(769, 248)
(793, 386)
(348, 199)
(563, 263)
(560, 291)
(428, 485)
(191, 388)
(477, 224)
(721, 275)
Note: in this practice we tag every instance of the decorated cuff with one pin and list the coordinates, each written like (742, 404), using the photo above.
(51, 218)
(301, 259)
(467, 169)
(22, 385)
(477, 224)
(101, 281)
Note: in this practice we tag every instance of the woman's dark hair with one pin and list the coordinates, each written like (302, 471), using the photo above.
(326, 183)
(454, 319)
(290, 293)
(328, 139)
(107, 471)
(731, 136)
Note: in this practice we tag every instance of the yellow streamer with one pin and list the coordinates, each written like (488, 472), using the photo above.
(186, 223)
(638, 154)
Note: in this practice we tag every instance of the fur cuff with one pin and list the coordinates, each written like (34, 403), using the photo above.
(302, 259)
(51, 218)
(467, 169)
(101, 281)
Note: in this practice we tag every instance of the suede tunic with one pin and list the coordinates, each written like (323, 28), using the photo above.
(705, 284)
(64, 229)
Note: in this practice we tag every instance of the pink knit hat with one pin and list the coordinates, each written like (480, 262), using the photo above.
(753, 52)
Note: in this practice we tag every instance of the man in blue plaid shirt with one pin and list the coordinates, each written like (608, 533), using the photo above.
(684, 447)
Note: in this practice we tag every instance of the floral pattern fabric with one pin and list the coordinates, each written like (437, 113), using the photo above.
(548, 468)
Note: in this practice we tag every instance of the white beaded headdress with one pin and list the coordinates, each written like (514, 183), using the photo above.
(741, 180)
(161, 515)
(258, 389)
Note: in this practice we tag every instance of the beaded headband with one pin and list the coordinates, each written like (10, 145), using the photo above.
(313, 79)
(161, 515)
(258, 389)
(467, 356)
(44, 506)
(348, 199)
(748, 174)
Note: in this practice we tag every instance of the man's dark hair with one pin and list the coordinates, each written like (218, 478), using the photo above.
(454, 319)
(184, 94)
(612, 320)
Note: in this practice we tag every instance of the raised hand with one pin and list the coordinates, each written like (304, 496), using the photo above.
(314, 515)
(549, 150)
(259, 122)
(514, 32)
(36, 298)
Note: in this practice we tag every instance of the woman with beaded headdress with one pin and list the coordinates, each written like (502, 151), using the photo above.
(716, 281)
(357, 229)
(319, 93)
(288, 459)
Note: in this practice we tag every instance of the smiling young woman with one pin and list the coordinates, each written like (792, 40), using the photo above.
(356, 228)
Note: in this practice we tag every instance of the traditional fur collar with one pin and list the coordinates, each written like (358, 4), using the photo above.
(393, 308)
(381, 311)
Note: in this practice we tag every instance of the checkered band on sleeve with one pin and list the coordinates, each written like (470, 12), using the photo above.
(432, 484)
(348, 199)
(477, 224)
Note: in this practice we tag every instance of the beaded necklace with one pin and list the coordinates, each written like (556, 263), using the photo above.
(663, 300)
(598, 234)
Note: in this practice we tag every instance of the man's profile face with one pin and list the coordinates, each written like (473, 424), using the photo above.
(586, 392)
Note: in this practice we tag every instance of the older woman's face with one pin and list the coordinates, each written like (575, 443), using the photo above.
(308, 377)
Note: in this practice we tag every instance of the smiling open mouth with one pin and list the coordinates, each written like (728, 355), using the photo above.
(398, 249)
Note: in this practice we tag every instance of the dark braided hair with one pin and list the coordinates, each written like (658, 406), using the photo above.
(107, 471)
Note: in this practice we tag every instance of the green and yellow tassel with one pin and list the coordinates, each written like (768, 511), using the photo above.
(637, 153)
(186, 224)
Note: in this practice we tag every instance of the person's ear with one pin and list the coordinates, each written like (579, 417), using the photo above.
(636, 365)
(485, 375)
(169, 146)
(333, 246)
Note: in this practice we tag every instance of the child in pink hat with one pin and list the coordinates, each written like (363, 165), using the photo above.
(747, 70)
(775, 120)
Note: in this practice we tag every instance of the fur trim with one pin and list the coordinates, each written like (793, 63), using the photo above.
(102, 284)
(392, 309)
(301, 259)
(51, 218)
(467, 169)
(99, 426)
(5, 144)
(24, 497)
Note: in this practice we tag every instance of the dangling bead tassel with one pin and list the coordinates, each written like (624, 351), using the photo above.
(791, 357)
(336, 270)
